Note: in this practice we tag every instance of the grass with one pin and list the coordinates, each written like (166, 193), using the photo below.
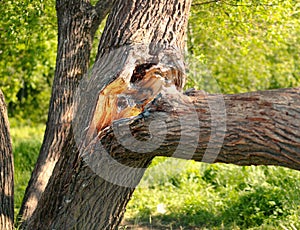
(178, 194)
(201, 196)
(26, 141)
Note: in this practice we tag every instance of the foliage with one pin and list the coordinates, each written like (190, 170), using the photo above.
(244, 45)
(27, 50)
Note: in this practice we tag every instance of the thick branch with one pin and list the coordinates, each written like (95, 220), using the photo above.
(102, 8)
(260, 128)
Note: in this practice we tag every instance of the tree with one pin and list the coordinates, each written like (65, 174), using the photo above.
(134, 90)
(6, 171)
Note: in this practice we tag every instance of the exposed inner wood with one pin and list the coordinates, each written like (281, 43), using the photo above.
(126, 98)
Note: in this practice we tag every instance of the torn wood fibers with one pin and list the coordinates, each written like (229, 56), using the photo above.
(126, 98)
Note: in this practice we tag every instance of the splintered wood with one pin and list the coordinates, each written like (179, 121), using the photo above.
(124, 99)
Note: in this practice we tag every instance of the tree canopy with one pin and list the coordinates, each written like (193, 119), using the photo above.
(28, 51)
(246, 45)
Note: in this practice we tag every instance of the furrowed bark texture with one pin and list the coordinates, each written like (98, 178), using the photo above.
(155, 23)
(88, 188)
(6, 171)
(262, 128)
(77, 24)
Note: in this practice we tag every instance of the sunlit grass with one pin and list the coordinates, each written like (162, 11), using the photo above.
(26, 141)
(202, 196)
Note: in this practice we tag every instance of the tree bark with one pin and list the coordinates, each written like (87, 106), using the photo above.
(6, 171)
(77, 24)
(150, 35)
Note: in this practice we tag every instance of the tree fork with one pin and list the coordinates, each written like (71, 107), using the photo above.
(76, 196)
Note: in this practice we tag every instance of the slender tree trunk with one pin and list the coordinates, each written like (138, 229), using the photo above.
(77, 24)
(140, 36)
(6, 171)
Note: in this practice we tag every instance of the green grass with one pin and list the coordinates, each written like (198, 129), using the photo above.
(193, 195)
(202, 196)
(26, 142)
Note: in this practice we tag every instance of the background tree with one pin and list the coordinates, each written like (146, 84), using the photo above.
(6, 171)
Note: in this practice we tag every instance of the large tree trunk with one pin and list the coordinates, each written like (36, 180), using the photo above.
(6, 171)
(140, 36)
(77, 24)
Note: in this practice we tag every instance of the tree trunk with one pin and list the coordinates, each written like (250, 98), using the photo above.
(140, 37)
(6, 171)
(77, 24)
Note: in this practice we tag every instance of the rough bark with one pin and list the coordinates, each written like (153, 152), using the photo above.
(155, 23)
(77, 24)
(6, 171)
(76, 196)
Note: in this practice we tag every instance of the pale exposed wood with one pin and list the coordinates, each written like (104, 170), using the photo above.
(125, 98)
(6, 171)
